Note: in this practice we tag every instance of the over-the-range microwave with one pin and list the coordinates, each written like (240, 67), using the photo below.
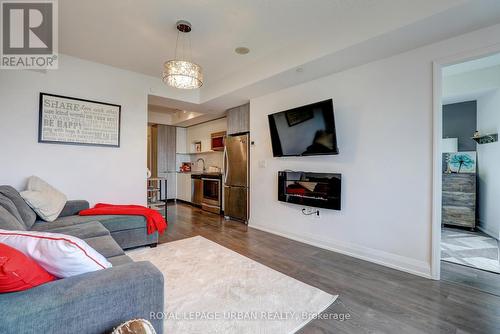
(217, 141)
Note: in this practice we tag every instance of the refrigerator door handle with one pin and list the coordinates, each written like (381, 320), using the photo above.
(226, 164)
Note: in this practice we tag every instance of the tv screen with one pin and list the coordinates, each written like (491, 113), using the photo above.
(306, 130)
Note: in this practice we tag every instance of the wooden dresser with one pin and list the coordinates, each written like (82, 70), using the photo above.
(459, 200)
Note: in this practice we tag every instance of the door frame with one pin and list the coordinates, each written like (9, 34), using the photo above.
(437, 121)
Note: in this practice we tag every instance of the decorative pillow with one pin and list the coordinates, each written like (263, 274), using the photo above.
(61, 255)
(27, 214)
(44, 199)
(19, 272)
(9, 222)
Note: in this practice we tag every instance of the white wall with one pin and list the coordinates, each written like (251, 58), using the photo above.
(488, 159)
(116, 175)
(384, 120)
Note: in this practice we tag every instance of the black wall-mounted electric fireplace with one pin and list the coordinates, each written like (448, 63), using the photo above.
(321, 190)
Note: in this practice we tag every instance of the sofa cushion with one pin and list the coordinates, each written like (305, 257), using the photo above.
(9, 222)
(82, 230)
(134, 238)
(105, 245)
(27, 214)
(119, 260)
(111, 222)
(62, 222)
(72, 207)
(121, 222)
(44, 199)
(7, 204)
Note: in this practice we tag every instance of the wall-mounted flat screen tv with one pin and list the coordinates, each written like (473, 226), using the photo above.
(306, 130)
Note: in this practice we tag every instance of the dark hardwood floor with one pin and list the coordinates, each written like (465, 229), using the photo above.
(377, 299)
(471, 277)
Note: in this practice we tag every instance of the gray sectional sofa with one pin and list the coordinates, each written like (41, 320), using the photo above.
(127, 231)
(90, 303)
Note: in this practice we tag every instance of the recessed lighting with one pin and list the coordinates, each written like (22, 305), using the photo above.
(241, 50)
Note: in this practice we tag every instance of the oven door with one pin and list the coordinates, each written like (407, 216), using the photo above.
(211, 195)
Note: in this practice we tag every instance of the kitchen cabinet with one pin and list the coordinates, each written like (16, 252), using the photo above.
(181, 140)
(238, 119)
(171, 185)
(184, 186)
(166, 157)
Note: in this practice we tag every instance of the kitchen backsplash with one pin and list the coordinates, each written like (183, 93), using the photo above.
(211, 159)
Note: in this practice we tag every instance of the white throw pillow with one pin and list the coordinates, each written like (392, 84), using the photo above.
(45, 200)
(61, 255)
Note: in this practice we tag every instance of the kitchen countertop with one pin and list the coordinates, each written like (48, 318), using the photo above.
(202, 173)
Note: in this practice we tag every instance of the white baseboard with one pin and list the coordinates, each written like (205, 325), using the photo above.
(390, 260)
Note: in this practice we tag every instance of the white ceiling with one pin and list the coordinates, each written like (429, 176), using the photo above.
(281, 34)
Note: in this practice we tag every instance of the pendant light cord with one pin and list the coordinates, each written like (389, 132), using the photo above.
(183, 51)
(176, 45)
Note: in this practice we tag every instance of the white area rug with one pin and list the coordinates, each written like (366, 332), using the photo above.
(211, 289)
(473, 249)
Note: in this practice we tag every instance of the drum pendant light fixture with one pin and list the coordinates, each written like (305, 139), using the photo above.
(181, 72)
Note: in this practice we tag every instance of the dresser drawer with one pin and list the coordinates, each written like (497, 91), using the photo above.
(459, 216)
(457, 198)
(459, 183)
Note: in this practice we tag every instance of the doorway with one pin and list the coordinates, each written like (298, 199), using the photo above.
(467, 158)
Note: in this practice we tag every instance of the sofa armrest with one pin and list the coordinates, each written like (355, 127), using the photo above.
(95, 302)
(72, 207)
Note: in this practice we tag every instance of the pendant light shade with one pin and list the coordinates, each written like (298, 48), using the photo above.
(181, 72)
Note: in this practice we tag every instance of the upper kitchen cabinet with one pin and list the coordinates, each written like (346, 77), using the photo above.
(238, 119)
(181, 143)
(166, 148)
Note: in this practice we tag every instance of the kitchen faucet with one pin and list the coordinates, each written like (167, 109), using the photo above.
(202, 160)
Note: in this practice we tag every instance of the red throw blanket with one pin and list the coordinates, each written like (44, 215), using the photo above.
(155, 221)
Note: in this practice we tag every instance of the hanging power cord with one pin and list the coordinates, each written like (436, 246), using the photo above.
(310, 213)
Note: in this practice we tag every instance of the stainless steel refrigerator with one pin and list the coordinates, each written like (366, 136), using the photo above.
(236, 177)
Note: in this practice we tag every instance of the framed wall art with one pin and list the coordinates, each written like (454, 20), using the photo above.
(74, 121)
(462, 162)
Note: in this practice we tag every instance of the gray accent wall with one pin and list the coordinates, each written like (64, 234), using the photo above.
(460, 121)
